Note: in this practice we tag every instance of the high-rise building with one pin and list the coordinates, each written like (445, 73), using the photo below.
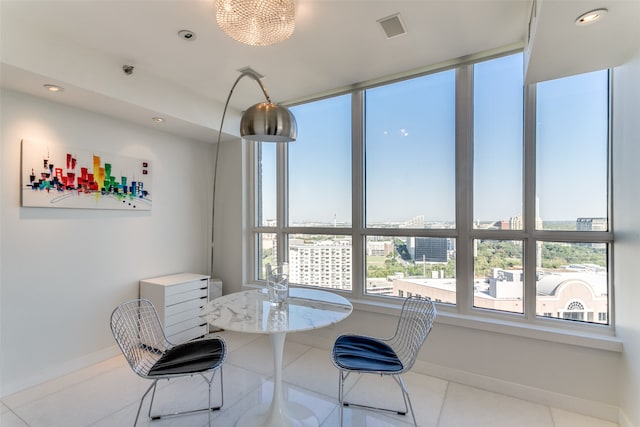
(428, 249)
(591, 224)
(325, 264)
(515, 223)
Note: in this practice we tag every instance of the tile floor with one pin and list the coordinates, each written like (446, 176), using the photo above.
(107, 395)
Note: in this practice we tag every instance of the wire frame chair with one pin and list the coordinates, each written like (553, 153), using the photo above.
(137, 330)
(386, 356)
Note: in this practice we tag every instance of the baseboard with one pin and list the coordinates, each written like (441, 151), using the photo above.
(56, 371)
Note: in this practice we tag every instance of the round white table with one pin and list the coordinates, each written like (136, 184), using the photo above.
(251, 312)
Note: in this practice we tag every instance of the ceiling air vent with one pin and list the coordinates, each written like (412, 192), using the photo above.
(392, 26)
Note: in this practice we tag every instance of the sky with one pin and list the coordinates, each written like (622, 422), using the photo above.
(410, 150)
(572, 129)
(498, 138)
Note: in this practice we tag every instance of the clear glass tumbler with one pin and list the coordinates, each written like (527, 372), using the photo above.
(278, 284)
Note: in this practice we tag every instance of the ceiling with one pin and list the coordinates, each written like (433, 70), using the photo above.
(337, 44)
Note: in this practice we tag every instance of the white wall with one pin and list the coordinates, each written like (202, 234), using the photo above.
(62, 271)
(626, 175)
(229, 260)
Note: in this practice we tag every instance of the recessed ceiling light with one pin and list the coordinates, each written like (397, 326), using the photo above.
(54, 88)
(591, 17)
(187, 35)
(157, 119)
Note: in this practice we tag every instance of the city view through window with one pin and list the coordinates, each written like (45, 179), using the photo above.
(409, 240)
(571, 277)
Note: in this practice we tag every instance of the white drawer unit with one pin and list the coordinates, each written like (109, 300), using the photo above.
(178, 299)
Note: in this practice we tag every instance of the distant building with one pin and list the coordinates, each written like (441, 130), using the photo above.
(575, 293)
(591, 224)
(502, 225)
(428, 249)
(575, 296)
(505, 284)
(379, 286)
(380, 248)
(325, 264)
(415, 222)
(515, 223)
(439, 290)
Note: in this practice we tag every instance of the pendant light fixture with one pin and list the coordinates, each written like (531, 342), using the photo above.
(256, 22)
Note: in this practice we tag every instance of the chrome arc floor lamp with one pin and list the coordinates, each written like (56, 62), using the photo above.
(262, 122)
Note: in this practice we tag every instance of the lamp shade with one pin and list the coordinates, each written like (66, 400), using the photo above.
(268, 122)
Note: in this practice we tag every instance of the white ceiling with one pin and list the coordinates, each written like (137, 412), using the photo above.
(82, 46)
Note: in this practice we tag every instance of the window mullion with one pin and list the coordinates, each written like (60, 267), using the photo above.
(282, 189)
(358, 270)
(464, 187)
(531, 245)
(250, 250)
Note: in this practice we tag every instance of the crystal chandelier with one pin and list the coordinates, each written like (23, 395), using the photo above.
(256, 22)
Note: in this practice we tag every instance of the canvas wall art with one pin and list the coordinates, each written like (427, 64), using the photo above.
(56, 176)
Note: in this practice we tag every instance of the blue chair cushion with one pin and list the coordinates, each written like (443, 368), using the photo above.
(360, 353)
(189, 357)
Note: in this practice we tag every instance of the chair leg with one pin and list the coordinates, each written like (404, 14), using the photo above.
(221, 389)
(153, 396)
(142, 400)
(209, 381)
(209, 402)
(406, 397)
(341, 378)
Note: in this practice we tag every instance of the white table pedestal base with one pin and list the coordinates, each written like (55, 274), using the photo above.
(279, 413)
(290, 415)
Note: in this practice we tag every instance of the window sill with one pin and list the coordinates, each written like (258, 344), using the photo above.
(446, 316)
(576, 335)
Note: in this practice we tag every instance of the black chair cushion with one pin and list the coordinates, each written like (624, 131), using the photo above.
(189, 357)
(360, 353)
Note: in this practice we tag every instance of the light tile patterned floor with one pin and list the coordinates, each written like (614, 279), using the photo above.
(107, 395)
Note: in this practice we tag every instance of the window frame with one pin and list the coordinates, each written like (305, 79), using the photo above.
(463, 312)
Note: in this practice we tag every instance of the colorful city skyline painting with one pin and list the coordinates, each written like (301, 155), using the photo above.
(57, 176)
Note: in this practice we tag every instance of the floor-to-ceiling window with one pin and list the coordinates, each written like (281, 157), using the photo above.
(409, 186)
(572, 198)
(462, 185)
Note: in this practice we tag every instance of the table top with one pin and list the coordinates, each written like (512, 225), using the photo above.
(251, 311)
